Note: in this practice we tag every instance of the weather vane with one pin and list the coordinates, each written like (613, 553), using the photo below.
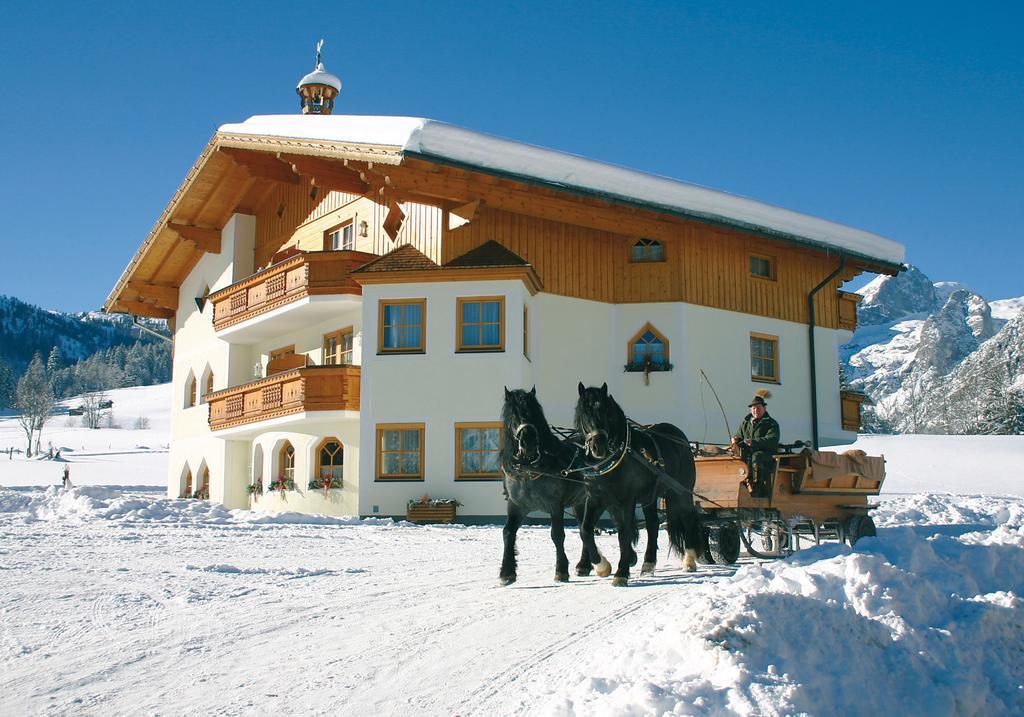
(319, 45)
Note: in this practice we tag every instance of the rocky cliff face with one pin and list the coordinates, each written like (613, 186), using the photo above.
(918, 343)
(889, 298)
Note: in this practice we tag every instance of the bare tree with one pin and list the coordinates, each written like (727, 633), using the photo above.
(34, 400)
(92, 412)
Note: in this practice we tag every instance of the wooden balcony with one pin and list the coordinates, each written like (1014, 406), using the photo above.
(848, 309)
(307, 274)
(313, 388)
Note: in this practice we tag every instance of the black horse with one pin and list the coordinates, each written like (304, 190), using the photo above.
(637, 466)
(533, 460)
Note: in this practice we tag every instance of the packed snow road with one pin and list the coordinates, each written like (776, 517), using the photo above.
(130, 603)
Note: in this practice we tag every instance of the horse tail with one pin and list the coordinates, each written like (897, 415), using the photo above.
(675, 521)
(683, 523)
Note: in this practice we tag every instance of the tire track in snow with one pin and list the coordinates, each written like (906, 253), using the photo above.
(498, 682)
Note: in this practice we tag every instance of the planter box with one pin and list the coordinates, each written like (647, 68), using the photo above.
(418, 513)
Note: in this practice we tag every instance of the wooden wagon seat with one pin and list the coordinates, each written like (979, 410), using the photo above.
(851, 469)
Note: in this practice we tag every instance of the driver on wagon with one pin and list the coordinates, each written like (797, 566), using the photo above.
(756, 441)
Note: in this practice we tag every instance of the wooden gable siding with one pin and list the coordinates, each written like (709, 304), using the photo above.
(304, 220)
(703, 265)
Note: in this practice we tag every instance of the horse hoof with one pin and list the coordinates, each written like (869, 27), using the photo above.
(620, 582)
(507, 579)
(583, 572)
(603, 568)
(561, 577)
(647, 568)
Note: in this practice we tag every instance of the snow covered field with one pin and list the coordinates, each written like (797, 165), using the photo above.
(118, 600)
(104, 456)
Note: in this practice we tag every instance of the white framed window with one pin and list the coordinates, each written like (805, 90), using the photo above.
(340, 238)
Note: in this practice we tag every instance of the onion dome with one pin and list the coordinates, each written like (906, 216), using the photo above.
(318, 89)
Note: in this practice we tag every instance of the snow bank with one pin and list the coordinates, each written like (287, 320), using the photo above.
(933, 624)
(113, 503)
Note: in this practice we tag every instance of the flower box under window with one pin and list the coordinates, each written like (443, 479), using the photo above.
(431, 511)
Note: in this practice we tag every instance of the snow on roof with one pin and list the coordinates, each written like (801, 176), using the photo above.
(438, 140)
(320, 76)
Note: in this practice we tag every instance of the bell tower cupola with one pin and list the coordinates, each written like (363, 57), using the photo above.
(318, 89)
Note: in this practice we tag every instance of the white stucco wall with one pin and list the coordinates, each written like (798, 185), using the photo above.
(438, 388)
(197, 350)
(573, 340)
(570, 340)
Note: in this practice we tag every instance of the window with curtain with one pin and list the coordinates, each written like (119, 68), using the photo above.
(338, 348)
(479, 451)
(764, 358)
(402, 326)
(481, 323)
(340, 238)
(400, 451)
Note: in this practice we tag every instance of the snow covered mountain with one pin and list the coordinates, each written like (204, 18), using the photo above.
(26, 330)
(934, 355)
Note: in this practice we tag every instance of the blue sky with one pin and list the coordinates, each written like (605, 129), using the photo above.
(906, 120)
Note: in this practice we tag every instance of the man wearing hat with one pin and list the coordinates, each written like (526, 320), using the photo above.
(756, 441)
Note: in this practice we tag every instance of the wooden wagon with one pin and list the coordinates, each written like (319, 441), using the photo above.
(811, 496)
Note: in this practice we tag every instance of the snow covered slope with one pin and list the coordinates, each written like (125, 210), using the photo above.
(119, 456)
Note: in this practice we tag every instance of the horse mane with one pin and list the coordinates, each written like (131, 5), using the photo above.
(521, 404)
(614, 418)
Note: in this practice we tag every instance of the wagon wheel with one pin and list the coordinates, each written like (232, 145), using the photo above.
(857, 527)
(724, 543)
(770, 551)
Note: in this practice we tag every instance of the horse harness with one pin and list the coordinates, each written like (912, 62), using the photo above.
(653, 463)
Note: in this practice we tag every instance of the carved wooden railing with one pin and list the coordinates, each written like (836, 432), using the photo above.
(306, 274)
(848, 309)
(314, 388)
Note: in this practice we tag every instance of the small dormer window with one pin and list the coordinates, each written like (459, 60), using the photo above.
(647, 250)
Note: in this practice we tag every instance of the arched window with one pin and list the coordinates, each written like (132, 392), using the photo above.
(204, 484)
(330, 460)
(287, 461)
(190, 391)
(648, 351)
(257, 465)
(647, 250)
(187, 489)
(209, 383)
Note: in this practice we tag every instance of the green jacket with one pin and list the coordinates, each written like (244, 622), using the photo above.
(763, 435)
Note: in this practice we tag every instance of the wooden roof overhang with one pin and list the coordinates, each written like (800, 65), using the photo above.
(236, 172)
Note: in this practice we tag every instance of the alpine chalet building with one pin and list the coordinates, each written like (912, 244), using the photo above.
(349, 295)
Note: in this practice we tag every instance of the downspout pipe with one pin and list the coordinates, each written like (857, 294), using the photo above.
(810, 328)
